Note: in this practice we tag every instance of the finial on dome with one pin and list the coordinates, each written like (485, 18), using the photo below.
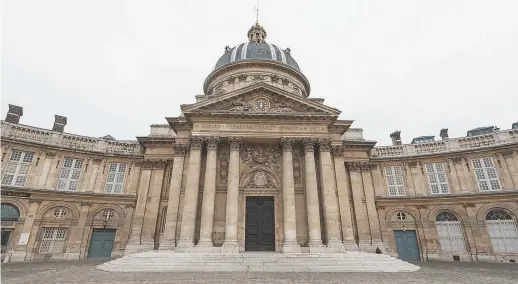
(256, 33)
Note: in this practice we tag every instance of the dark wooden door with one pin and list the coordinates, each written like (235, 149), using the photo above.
(260, 224)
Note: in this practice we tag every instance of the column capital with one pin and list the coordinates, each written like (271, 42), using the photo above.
(337, 150)
(287, 143)
(180, 149)
(324, 144)
(196, 142)
(212, 142)
(360, 166)
(235, 143)
(309, 144)
(50, 154)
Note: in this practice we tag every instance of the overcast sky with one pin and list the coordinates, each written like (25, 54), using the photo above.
(115, 67)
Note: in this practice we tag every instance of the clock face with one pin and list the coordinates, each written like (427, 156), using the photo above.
(261, 104)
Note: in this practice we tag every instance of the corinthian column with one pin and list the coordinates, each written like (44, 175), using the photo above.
(168, 241)
(209, 194)
(331, 211)
(191, 194)
(230, 244)
(288, 198)
(342, 185)
(312, 204)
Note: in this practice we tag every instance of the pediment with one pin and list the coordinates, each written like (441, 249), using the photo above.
(261, 99)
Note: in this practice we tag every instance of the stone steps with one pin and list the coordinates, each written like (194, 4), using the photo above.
(160, 261)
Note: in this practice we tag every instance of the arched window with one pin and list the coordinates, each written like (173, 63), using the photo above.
(450, 232)
(502, 231)
(9, 212)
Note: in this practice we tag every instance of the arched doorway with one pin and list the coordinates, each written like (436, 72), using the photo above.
(9, 216)
(502, 231)
(450, 232)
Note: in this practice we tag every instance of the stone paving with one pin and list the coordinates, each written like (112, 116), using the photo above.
(83, 271)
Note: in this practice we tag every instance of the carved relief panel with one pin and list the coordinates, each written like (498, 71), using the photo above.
(261, 166)
(222, 165)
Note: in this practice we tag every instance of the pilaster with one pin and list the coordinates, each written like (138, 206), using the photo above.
(20, 252)
(231, 244)
(288, 197)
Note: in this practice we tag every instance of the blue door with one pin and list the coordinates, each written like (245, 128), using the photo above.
(406, 244)
(101, 243)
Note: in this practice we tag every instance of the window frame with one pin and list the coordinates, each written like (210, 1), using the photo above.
(69, 179)
(116, 173)
(53, 241)
(484, 170)
(397, 187)
(18, 164)
(436, 173)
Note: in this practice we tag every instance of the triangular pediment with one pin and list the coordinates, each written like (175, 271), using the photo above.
(260, 98)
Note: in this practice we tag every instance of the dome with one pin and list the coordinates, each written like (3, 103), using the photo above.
(257, 48)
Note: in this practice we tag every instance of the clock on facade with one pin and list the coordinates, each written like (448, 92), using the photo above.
(261, 104)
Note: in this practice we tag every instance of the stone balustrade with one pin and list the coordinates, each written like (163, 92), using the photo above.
(497, 138)
(70, 141)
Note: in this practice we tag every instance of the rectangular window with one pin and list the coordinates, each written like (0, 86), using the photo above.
(17, 168)
(53, 240)
(70, 174)
(485, 172)
(437, 178)
(395, 181)
(115, 179)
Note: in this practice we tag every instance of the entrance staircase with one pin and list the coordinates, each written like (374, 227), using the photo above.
(162, 261)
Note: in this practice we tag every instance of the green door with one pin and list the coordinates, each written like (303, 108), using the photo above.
(406, 244)
(101, 243)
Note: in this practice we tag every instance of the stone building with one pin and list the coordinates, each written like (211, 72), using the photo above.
(257, 164)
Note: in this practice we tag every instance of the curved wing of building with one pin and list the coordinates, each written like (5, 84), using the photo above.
(257, 164)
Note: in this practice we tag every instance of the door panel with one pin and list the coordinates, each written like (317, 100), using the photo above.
(407, 246)
(260, 224)
(101, 243)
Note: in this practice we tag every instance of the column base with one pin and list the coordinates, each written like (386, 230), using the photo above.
(231, 246)
(291, 248)
(350, 245)
(167, 245)
(317, 248)
(17, 256)
(335, 246)
(205, 246)
(134, 248)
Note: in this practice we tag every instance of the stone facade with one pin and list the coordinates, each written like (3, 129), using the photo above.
(256, 133)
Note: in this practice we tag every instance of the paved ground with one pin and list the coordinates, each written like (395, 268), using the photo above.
(84, 272)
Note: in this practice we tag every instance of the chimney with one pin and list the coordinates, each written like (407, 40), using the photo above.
(444, 134)
(14, 114)
(396, 138)
(59, 123)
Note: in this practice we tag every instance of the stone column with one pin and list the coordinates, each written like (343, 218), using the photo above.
(504, 171)
(455, 184)
(134, 243)
(73, 248)
(411, 184)
(312, 204)
(290, 243)
(230, 244)
(512, 166)
(168, 241)
(47, 163)
(151, 212)
(362, 221)
(330, 201)
(370, 203)
(192, 189)
(20, 252)
(209, 195)
(342, 185)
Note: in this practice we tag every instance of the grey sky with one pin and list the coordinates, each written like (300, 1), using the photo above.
(115, 67)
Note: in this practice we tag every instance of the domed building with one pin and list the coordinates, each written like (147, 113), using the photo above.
(256, 164)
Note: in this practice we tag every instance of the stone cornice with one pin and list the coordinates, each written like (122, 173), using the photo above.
(360, 166)
(256, 63)
(359, 144)
(153, 164)
(52, 194)
(147, 141)
(466, 198)
(178, 123)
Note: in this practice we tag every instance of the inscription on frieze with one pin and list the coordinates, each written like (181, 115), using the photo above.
(259, 128)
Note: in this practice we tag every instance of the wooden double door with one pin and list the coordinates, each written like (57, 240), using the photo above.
(260, 223)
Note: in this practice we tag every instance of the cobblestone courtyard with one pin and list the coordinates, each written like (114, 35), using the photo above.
(84, 272)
